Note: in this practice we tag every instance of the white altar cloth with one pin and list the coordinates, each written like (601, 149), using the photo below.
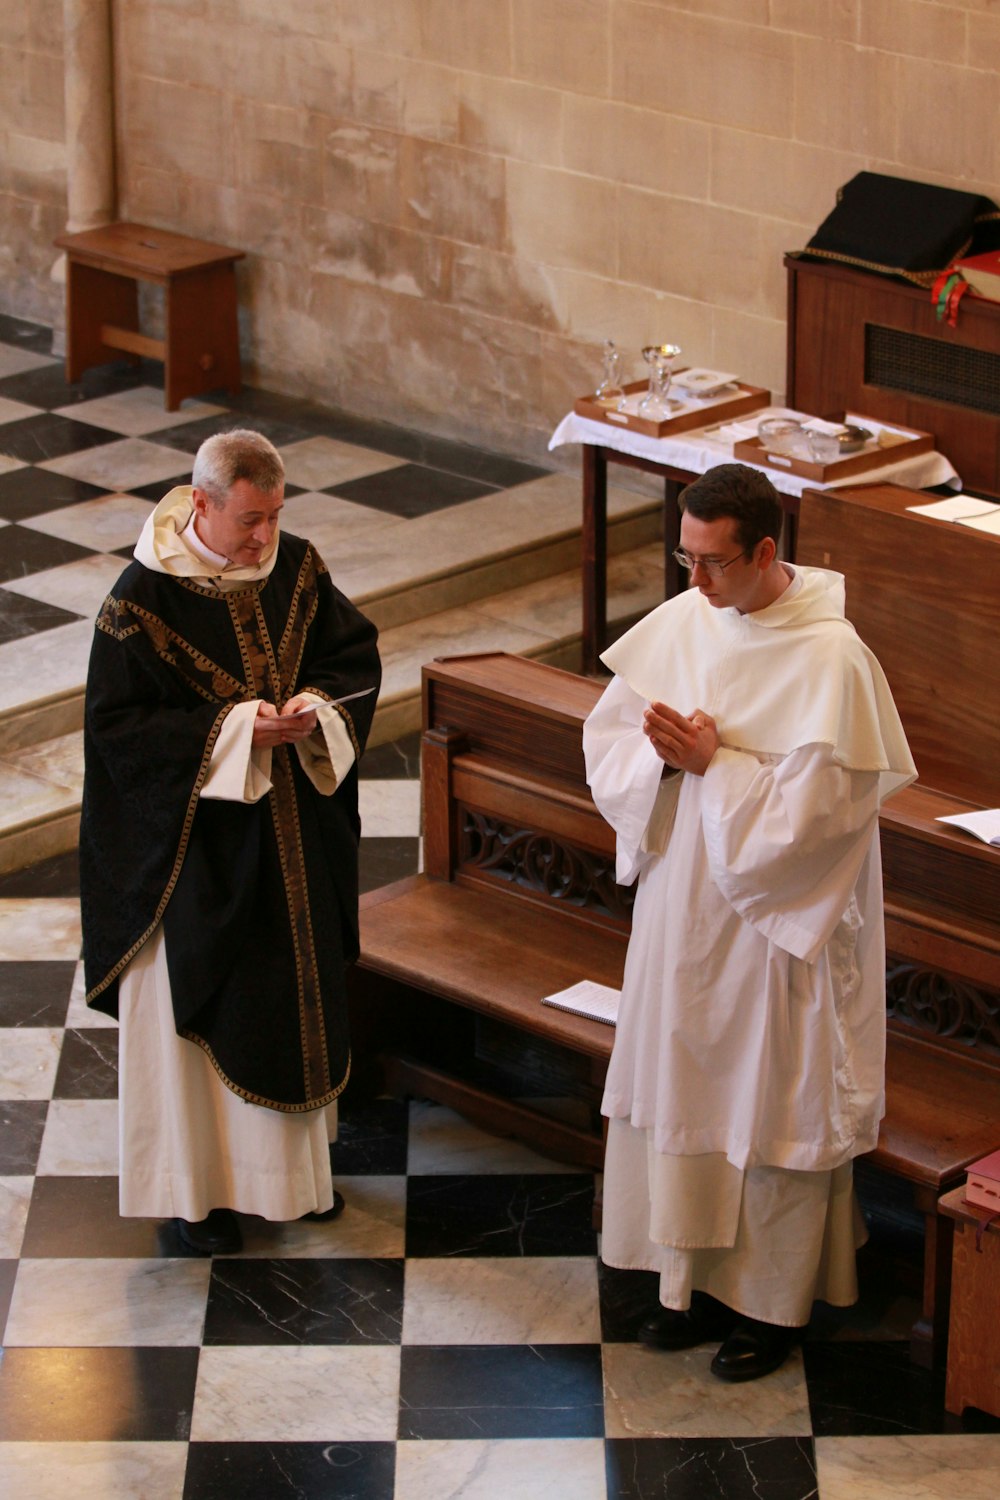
(701, 448)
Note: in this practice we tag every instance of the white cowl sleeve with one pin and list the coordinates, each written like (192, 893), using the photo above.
(786, 841)
(625, 776)
(239, 771)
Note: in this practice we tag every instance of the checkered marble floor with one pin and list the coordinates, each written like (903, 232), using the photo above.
(454, 1334)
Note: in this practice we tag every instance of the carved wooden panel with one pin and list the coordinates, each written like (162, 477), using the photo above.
(541, 865)
(944, 1009)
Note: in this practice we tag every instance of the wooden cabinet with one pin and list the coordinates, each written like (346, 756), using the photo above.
(867, 343)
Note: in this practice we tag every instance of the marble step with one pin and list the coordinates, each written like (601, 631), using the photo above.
(541, 620)
(40, 780)
(442, 561)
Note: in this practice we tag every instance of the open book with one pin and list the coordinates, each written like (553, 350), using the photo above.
(984, 824)
(966, 510)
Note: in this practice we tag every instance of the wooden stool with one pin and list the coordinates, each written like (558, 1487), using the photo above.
(974, 1336)
(201, 350)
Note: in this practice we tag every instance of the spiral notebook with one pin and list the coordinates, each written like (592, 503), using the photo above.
(598, 1002)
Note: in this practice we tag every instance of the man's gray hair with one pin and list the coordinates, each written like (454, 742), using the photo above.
(224, 459)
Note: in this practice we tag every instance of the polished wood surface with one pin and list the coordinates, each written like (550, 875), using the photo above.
(505, 735)
(924, 595)
(138, 249)
(403, 926)
(920, 1076)
(830, 312)
(512, 708)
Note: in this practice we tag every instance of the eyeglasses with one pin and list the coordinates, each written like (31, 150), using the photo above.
(712, 566)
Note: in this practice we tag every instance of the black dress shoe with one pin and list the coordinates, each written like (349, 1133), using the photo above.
(218, 1234)
(753, 1349)
(704, 1322)
(329, 1213)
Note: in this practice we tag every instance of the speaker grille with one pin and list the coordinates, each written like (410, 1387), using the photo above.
(929, 367)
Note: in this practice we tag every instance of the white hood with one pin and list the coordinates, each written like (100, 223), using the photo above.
(168, 544)
(790, 675)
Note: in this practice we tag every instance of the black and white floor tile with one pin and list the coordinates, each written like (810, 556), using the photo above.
(454, 1334)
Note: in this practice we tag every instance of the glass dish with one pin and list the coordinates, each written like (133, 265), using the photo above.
(826, 446)
(785, 436)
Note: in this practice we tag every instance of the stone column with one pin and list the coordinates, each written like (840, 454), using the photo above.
(90, 145)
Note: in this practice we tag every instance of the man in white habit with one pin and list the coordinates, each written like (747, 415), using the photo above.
(230, 693)
(741, 754)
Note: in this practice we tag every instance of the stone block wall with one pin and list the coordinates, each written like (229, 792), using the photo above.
(448, 204)
(32, 155)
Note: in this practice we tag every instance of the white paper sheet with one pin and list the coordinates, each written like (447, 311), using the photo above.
(989, 523)
(955, 508)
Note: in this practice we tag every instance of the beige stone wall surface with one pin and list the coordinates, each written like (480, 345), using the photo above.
(32, 155)
(448, 204)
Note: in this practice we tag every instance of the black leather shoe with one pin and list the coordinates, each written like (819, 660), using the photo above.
(329, 1213)
(218, 1234)
(753, 1349)
(704, 1322)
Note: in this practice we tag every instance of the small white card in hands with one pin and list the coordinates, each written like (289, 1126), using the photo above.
(300, 713)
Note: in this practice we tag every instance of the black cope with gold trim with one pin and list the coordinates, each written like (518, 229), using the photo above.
(258, 900)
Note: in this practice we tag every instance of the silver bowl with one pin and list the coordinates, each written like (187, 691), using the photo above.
(853, 439)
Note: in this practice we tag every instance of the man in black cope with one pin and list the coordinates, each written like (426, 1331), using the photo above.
(230, 694)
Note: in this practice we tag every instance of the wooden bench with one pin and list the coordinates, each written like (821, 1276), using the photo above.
(518, 900)
(200, 349)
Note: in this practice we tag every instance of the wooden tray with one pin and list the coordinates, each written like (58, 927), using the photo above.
(752, 451)
(736, 403)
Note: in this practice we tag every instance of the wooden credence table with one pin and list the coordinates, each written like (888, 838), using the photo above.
(594, 539)
(200, 348)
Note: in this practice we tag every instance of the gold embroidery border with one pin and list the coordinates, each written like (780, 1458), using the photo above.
(288, 795)
(198, 658)
(209, 591)
(293, 623)
(248, 684)
(923, 279)
(110, 606)
(285, 1109)
(264, 635)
